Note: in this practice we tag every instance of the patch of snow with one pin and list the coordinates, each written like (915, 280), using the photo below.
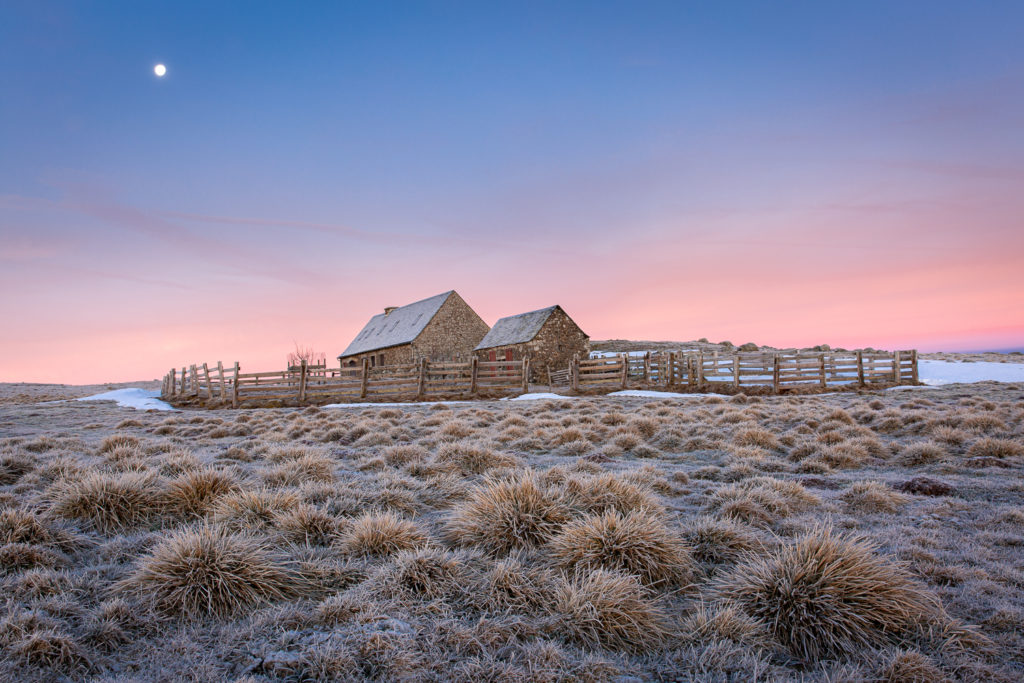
(938, 373)
(540, 396)
(406, 404)
(910, 387)
(139, 399)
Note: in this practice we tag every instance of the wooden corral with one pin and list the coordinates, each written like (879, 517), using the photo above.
(696, 372)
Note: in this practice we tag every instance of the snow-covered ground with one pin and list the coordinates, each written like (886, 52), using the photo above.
(139, 399)
(937, 373)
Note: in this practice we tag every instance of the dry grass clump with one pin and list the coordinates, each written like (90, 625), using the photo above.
(309, 467)
(53, 650)
(404, 454)
(306, 524)
(502, 515)
(718, 540)
(211, 571)
(513, 584)
(378, 534)
(252, 509)
(454, 429)
(995, 448)
(755, 436)
(826, 593)
(13, 467)
(724, 622)
(21, 525)
(638, 543)
(608, 491)
(909, 666)
(874, 496)
(194, 493)
(15, 557)
(921, 453)
(760, 500)
(115, 441)
(603, 608)
(473, 458)
(428, 573)
(109, 502)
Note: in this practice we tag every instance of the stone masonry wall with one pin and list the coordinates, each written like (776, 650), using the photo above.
(558, 341)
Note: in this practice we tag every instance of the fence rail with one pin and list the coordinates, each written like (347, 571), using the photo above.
(308, 383)
(773, 372)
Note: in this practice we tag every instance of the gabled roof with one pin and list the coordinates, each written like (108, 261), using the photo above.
(400, 326)
(516, 329)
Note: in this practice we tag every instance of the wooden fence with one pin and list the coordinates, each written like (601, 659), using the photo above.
(318, 383)
(770, 371)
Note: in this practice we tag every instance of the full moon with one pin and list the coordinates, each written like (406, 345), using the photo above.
(159, 69)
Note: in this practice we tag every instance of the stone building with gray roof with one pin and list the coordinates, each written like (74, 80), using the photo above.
(548, 336)
(442, 327)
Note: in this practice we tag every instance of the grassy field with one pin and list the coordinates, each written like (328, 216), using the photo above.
(846, 537)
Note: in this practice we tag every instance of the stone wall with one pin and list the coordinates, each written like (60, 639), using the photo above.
(558, 340)
(452, 334)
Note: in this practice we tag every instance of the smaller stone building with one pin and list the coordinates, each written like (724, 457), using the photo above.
(548, 336)
(442, 327)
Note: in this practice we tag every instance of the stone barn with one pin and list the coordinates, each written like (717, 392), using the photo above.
(442, 327)
(548, 336)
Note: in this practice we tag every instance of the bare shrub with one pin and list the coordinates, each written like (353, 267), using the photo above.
(502, 515)
(378, 534)
(826, 593)
(603, 608)
(211, 571)
(109, 502)
(637, 543)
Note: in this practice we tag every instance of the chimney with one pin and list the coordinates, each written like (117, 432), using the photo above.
(388, 309)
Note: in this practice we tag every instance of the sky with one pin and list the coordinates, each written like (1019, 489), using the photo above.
(789, 174)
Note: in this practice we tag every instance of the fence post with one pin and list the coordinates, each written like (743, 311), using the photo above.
(223, 389)
(234, 388)
(625, 370)
(700, 370)
(421, 386)
(860, 368)
(526, 374)
(647, 367)
(776, 371)
(574, 373)
(365, 378)
(671, 376)
(473, 370)
(897, 371)
(181, 392)
(821, 370)
(209, 385)
(736, 371)
(303, 369)
(174, 381)
(913, 367)
(193, 377)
